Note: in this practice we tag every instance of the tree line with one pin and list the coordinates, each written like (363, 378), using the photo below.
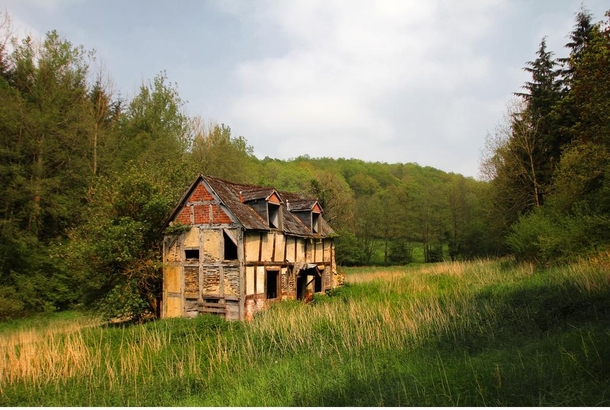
(548, 162)
(88, 177)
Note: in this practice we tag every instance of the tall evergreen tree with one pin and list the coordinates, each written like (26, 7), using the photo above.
(585, 172)
(565, 110)
(579, 38)
(51, 82)
(537, 126)
(44, 149)
(590, 92)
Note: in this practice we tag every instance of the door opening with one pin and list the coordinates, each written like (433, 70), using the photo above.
(272, 284)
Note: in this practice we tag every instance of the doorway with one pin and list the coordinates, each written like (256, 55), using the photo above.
(272, 284)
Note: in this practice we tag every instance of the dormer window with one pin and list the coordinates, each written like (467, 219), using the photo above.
(315, 222)
(266, 202)
(274, 215)
(273, 210)
(308, 211)
(316, 210)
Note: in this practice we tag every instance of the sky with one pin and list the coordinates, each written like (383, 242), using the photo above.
(405, 81)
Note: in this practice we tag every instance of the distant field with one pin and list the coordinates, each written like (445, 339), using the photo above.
(485, 333)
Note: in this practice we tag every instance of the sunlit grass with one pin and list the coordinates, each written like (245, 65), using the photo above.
(488, 332)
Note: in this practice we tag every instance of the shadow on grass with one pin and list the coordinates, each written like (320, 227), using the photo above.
(533, 345)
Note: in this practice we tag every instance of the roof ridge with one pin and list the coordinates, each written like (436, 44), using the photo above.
(242, 184)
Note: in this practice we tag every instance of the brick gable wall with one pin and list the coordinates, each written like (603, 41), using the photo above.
(199, 211)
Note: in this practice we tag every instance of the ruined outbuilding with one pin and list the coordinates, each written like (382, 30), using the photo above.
(232, 249)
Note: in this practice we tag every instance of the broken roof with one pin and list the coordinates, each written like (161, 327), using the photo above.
(235, 198)
(299, 205)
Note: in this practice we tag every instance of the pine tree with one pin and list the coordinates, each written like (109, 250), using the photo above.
(537, 126)
(579, 38)
(44, 148)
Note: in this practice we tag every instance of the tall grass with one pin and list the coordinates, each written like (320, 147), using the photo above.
(451, 334)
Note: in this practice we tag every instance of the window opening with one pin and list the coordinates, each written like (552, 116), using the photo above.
(272, 284)
(315, 222)
(191, 254)
(230, 248)
(274, 215)
(318, 284)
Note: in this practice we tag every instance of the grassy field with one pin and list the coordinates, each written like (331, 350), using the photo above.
(491, 333)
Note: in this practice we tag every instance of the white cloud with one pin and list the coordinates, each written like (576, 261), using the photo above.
(347, 62)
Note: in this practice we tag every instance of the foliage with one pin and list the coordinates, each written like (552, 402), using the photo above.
(348, 251)
(549, 164)
(335, 195)
(216, 152)
(44, 166)
(153, 129)
(11, 304)
(546, 237)
(125, 301)
(582, 177)
(116, 251)
(177, 228)
(401, 252)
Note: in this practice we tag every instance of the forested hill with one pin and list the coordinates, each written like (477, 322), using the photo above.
(88, 177)
(381, 210)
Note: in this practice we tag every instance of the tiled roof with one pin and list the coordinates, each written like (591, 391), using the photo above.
(296, 205)
(253, 193)
(237, 196)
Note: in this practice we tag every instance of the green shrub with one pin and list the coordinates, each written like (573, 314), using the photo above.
(124, 302)
(401, 252)
(348, 251)
(544, 236)
(10, 304)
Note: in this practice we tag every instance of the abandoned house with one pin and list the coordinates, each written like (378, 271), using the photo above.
(231, 249)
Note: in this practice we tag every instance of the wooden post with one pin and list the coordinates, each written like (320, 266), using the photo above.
(241, 254)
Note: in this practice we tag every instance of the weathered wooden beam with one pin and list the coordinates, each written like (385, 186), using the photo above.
(260, 247)
(218, 297)
(213, 310)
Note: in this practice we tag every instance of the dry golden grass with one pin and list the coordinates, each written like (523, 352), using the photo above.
(406, 312)
(487, 271)
(58, 353)
(46, 353)
(592, 273)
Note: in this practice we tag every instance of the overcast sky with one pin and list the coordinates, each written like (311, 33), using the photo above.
(393, 81)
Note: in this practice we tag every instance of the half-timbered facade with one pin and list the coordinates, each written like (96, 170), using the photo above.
(231, 249)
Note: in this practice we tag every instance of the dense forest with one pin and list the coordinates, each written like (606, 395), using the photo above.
(88, 177)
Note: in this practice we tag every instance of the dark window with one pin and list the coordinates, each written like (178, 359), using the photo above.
(274, 215)
(230, 247)
(191, 254)
(272, 284)
(315, 222)
(318, 284)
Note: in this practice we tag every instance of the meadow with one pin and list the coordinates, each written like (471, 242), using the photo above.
(482, 333)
